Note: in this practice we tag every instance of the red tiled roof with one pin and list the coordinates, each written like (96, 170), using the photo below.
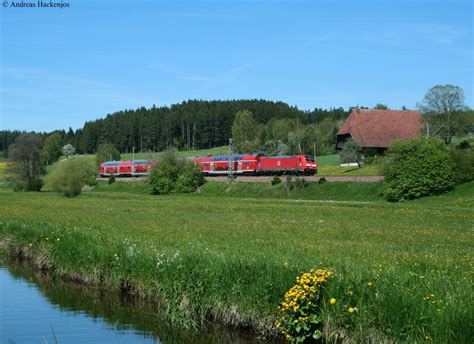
(377, 128)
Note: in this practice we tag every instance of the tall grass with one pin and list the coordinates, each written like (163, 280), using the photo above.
(231, 259)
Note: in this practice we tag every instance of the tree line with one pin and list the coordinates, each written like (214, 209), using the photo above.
(256, 125)
(193, 124)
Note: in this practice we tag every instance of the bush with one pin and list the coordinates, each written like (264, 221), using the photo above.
(70, 176)
(322, 180)
(464, 165)
(173, 175)
(31, 185)
(465, 144)
(111, 179)
(276, 180)
(351, 152)
(420, 167)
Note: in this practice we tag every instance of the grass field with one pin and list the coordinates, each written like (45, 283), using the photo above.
(408, 267)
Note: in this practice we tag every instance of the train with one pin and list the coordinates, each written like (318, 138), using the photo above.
(218, 165)
(133, 168)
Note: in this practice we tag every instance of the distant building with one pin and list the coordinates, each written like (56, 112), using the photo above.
(376, 129)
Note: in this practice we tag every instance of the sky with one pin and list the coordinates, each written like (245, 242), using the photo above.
(61, 67)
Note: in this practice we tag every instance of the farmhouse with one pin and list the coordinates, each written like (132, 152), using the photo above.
(376, 129)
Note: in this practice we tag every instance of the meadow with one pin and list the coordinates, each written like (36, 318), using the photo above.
(407, 268)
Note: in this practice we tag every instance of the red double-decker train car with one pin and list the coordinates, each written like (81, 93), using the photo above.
(257, 164)
(132, 168)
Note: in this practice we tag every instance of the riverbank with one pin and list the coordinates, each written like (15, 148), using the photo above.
(44, 308)
(230, 259)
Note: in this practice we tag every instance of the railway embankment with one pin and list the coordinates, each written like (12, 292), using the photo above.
(268, 179)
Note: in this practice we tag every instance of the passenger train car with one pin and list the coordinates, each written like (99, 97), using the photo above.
(256, 164)
(132, 168)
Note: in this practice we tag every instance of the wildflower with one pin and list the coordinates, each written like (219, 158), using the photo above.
(285, 264)
(115, 254)
(370, 283)
(47, 238)
(350, 293)
(350, 310)
(332, 301)
(30, 244)
(57, 239)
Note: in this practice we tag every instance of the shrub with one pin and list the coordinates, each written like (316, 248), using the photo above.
(70, 176)
(31, 185)
(189, 179)
(464, 165)
(173, 175)
(111, 179)
(322, 180)
(276, 180)
(351, 152)
(420, 167)
(300, 317)
(465, 144)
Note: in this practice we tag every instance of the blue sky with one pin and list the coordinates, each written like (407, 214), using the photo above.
(62, 67)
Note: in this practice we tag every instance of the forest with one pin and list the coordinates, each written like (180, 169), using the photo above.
(195, 124)
(267, 126)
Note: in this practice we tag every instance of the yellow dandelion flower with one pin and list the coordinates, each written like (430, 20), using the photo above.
(350, 310)
(370, 284)
(332, 301)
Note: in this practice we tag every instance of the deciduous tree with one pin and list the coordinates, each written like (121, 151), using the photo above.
(52, 148)
(26, 162)
(440, 102)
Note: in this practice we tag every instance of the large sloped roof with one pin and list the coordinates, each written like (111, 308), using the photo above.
(378, 128)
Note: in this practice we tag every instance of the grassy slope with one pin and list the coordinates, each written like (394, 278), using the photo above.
(340, 191)
(232, 258)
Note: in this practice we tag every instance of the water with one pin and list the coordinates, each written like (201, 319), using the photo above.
(35, 308)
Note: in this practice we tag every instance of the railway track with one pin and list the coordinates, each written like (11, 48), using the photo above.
(268, 179)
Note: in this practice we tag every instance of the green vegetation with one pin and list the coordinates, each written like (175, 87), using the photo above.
(417, 168)
(351, 152)
(3, 171)
(70, 176)
(27, 165)
(174, 175)
(405, 267)
(332, 159)
(52, 148)
(300, 317)
(463, 158)
(106, 152)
